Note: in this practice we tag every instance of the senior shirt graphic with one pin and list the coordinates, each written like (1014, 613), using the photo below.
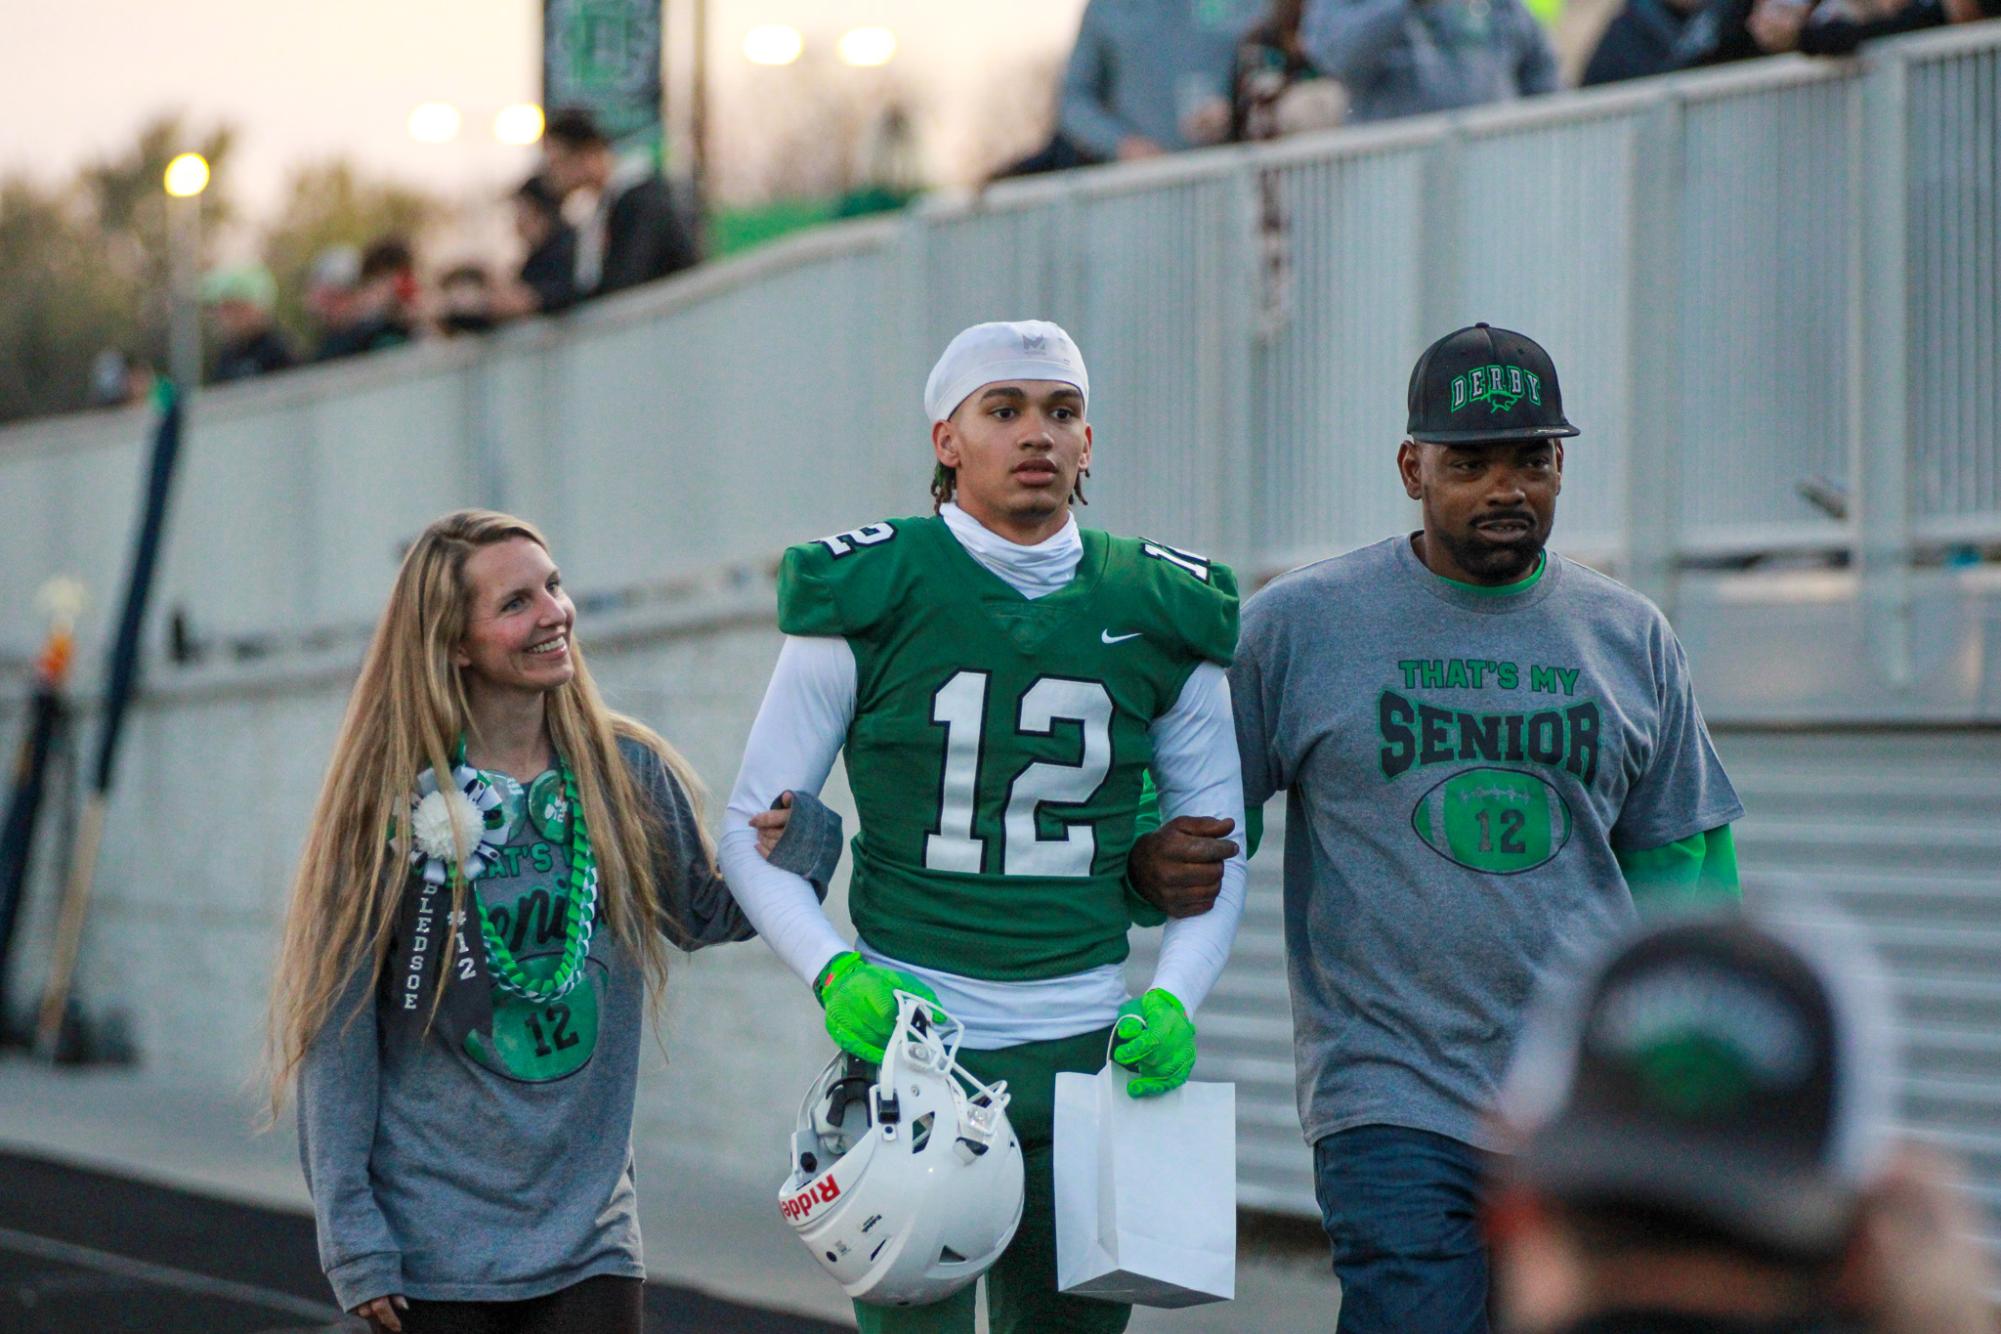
(1492, 806)
(527, 900)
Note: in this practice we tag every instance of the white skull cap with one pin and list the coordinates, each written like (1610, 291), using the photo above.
(1003, 350)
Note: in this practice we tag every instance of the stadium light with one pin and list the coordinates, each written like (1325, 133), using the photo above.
(520, 124)
(867, 47)
(434, 122)
(185, 179)
(187, 175)
(773, 44)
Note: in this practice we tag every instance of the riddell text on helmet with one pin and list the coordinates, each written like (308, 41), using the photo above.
(824, 1191)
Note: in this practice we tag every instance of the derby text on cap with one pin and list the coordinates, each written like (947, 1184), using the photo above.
(1481, 385)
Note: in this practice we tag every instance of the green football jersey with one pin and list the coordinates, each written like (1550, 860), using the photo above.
(999, 743)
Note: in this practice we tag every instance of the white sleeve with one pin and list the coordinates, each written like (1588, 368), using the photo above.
(1196, 768)
(799, 729)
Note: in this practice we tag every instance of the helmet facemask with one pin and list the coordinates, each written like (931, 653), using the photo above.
(905, 1180)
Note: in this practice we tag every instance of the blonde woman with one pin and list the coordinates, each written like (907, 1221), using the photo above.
(496, 866)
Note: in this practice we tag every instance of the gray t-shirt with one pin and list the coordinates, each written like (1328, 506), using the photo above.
(502, 1170)
(1459, 768)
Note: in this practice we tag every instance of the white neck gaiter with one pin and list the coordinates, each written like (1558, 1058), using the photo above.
(1033, 571)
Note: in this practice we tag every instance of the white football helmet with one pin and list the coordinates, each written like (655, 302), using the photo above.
(906, 1186)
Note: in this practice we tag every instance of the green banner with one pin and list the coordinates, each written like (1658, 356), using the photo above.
(604, 55)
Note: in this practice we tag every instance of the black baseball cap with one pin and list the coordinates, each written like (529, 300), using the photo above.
(1721, 1069)
(1481, 384)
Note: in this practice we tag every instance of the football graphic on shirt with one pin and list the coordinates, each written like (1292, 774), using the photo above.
(1500, 821)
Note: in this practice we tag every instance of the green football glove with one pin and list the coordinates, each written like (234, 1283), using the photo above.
(860, 1001)
(1155, 1039)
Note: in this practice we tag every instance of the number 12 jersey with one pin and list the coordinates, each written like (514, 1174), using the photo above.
(999, 742)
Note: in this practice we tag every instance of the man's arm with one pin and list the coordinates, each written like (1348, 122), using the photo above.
(1195, 764)
(1179, 867)
(1347, 38)
(1699, 871)
(1181, 861)
(1677, 814)
(799, 730)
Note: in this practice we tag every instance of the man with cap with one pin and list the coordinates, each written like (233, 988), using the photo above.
(1704, 1126)
(1492, 756)
(242, 299)
(1000, 679)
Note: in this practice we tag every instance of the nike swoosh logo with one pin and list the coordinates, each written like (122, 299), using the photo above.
(1111, 638)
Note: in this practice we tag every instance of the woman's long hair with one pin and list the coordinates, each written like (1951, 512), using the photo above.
(406, 714)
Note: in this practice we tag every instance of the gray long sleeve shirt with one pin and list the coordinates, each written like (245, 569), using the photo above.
(1408, 57)
(503, 1171)
(1140, 66)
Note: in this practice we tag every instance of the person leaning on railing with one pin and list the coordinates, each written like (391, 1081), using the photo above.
(1661, 36)
(1649, 37)
(546, 281)
(240, 300)
(1837, 27)
(1408, 57)
(641, 227)
(1153, 77)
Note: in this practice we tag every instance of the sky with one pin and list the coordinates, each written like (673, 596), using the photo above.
(309, 80)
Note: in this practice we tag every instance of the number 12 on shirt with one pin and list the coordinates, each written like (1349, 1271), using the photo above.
(960, 708)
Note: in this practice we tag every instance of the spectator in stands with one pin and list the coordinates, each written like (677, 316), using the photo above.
(1717, 32)
(241, 299)
(640, 229)
(1646, 37)
(1278, 91)
(118, 380)
(465, 300)
(1837, 27)
(385, 302)
(1152, 76)
(547, 280)
(1407, 57)
(1708, 1147)
(1657, 36)
(1649, 38)
(331, 284)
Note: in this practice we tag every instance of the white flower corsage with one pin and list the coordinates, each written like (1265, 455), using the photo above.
(468, 810)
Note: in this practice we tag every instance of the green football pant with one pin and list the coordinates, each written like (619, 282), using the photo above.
(1021, 1287)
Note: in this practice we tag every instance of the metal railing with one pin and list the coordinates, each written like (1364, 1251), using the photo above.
(1771, 290)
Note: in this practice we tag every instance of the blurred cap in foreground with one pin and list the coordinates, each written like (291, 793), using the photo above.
(1733, 1071)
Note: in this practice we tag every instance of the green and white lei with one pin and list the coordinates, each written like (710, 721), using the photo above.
(472, 808)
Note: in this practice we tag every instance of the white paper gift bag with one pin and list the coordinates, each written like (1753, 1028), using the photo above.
(1146, 1191)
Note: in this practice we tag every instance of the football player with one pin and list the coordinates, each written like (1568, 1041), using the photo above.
(1000, 680)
